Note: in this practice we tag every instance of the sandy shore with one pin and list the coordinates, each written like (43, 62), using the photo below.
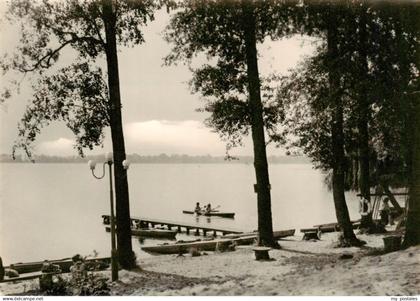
(299, 268)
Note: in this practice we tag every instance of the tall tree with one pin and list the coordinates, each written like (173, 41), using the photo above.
(377, 72)
(412, 233)
(265, 225)
(363, 110)
(125, 254)
(408, 15)
(320, 89)
(337, 131)
(228, 32)
(91, 28)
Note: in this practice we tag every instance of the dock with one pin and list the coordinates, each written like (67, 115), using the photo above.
(179, 226)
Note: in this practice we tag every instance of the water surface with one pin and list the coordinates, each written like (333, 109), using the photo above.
(51, 211)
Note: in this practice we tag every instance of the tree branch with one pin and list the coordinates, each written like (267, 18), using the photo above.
(98, 32)
(46, 57)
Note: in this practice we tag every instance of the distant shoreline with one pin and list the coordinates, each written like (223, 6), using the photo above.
(159, 159)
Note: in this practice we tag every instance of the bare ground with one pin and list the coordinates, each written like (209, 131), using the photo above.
(299, 268)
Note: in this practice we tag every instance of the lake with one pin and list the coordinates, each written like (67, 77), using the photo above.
(52, 211)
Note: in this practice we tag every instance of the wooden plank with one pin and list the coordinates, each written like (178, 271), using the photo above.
(156, 233)
(333, 227)
(334, 224)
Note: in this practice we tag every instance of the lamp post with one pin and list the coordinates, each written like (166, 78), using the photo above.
(92, 165)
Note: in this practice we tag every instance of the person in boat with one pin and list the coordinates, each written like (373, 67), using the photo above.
(208, 208)
(197, 208)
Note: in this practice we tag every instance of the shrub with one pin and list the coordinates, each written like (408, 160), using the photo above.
(82, 282)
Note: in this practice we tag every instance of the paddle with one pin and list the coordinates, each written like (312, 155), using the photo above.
(214, 209)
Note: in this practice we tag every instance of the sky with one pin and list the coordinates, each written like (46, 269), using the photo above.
(158, 109)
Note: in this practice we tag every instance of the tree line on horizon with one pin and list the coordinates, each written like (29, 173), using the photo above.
(161, 158)
(352, 107)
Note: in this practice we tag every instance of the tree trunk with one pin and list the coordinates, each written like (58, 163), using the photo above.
(355, 173)
(337, 138)
(412, 226)
(265, 227)
(126, 256)
(363, 120)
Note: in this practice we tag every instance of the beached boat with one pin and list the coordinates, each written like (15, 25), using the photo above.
(211, 245)
(205, 245)
(156, 233)
(276, 234)
(64, 264)
(213, 213)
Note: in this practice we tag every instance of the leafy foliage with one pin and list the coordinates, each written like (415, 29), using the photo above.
(392, 77)
(88, 285)
(53, 285)
(77, 96)
(78, 24)
(48, 27)
(214, 29)
(82, 280)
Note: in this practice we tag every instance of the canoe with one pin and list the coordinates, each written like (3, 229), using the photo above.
(64, 264)
(207, 245)
(276, 234)
(181, 248)
(220, 214)
(156, 233)
(21, 278)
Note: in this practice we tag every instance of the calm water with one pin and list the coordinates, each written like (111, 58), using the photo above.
(53, 210)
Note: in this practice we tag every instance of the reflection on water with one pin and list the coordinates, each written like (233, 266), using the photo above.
(50, 211)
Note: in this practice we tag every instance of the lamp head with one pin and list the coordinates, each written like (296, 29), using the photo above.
(109, 157)
(126, 164)
(92, 164)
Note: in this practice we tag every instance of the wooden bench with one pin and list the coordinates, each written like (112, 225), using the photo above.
(261, 253)
(314, 233)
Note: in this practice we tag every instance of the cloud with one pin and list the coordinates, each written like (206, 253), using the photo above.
(59, 147)
(163, 136)
(151, 137)
(154, 137)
